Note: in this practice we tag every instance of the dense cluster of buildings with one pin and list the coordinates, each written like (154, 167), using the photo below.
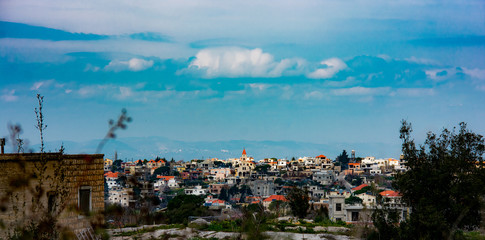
(350, 191)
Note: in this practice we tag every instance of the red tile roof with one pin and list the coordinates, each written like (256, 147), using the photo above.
(276, 198)
(165, 178)
(216, 201)
(390, 193)
(360, 187)
(111, 174)
(321, 156)
(244, 152)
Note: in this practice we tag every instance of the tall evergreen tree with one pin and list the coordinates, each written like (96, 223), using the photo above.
(343, 160)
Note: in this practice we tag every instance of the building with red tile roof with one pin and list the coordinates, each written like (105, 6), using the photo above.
(272, 198)
(390, 193)
(275, 198)
(165, 178)
(111, 174)
(359, 187)
(160, 163)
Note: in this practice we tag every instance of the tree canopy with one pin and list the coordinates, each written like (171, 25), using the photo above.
(444, 183)
(343, 159)
(298, 200)
(262, 168)
(183, 206)
(162, 171)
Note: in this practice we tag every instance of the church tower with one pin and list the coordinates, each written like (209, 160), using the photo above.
(244, 156)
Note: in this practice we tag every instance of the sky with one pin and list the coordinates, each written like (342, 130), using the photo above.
(327, 72)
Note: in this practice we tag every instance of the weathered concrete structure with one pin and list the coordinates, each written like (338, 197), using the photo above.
(33, 186)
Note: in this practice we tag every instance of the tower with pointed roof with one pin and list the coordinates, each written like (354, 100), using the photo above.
(244, 156)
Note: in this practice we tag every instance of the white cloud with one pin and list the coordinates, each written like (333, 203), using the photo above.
(259, 86)
(39, 84)
(240, 62)
(423, 61)
(349, 81)
(91, 68)
(413, 92)
(333, 66)
(361, 91)
(476, 73)
(125, 92)
(92, 90)
(134, 64)
(440, 74)
(9, 96)
(313, 95)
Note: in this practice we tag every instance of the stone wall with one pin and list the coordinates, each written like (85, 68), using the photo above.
(27, 181)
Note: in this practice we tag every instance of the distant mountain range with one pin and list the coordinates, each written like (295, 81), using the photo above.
(151, 147)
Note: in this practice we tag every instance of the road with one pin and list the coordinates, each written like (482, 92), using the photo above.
(341, 178)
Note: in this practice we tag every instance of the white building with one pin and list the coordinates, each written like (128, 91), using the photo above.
(198, 191)
(165, 181)
(120, 196)
(324, 177)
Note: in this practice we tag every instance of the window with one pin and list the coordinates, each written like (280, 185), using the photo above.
(51, 202)
(338, 207)
(355, 216)
(84, 199)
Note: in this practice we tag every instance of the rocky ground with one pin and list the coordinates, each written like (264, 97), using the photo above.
(189, 233)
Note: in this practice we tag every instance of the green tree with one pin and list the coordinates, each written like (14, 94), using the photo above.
(254, 221)
(116, 167)
(386, 220)
(279, 181)
(444, 183)
(245, 190)
(224, 194)
(262, 168)
(182, 206)
(343, 159)
(163, 171)
(321, 214)
(298, 200)
(277, 207)
(353, 200)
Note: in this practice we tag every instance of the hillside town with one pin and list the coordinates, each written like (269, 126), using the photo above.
(349, 188)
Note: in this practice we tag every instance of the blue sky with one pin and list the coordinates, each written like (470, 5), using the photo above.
(317, 71)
